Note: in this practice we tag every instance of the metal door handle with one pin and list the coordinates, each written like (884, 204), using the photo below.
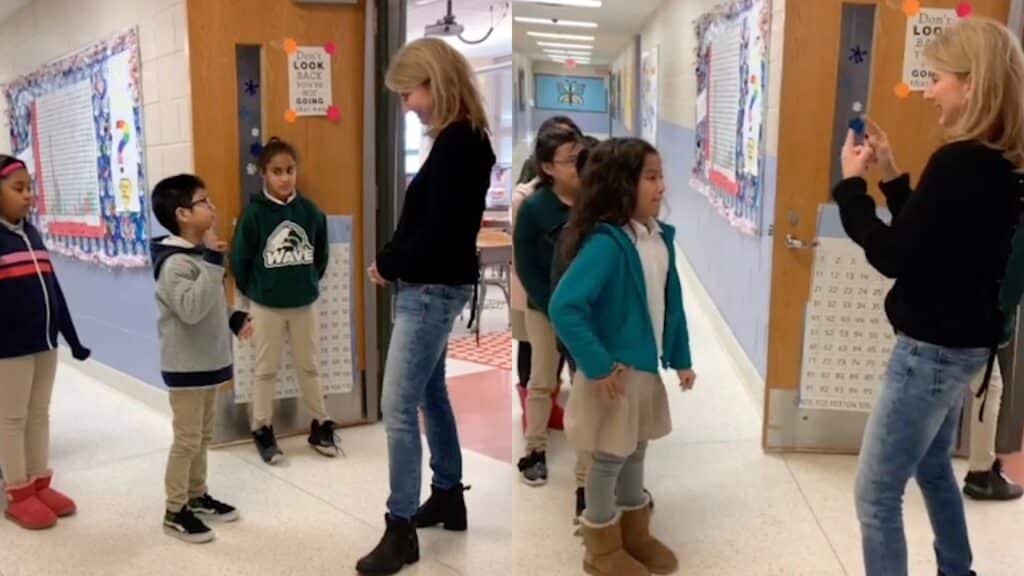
(794, 243)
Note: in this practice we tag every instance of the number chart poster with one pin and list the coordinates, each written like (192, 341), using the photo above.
(78, 124)
(571, 93)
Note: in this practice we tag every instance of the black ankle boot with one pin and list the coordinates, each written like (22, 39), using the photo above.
(398, 547)
(446, 507)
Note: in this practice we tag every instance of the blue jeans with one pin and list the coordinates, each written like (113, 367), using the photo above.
(911, 433)
(414, 379)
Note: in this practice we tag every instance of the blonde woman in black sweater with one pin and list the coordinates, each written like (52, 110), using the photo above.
(947, 248)
(432, 262)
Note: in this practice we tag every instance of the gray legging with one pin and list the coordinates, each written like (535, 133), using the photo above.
(615, 483)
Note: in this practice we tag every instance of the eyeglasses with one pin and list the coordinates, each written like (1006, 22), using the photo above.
(206, 201)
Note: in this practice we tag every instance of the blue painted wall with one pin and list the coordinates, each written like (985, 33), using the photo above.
(115, 313)
(735, 269)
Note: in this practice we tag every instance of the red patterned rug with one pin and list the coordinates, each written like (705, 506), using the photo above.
(495, 349)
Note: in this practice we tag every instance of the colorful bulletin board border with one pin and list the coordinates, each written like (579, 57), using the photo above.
(737, 197)
(571, 93)
(121, 239)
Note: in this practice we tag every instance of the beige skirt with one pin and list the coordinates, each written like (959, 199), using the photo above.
(594, 423)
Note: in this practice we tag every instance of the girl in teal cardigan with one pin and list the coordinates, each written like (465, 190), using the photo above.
(619, 311)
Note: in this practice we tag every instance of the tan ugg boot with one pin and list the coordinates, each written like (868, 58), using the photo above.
(604, 555)
(638, 542)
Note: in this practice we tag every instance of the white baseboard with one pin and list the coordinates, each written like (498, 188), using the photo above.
(147, 394)
(751, 378)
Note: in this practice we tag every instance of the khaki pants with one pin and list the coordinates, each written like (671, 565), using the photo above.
(270, 325)
(193, 412)
(983, 434)
(543, 380)
(26, 386)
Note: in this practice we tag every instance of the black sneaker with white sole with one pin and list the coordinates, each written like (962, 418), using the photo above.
(992, 485)
(184, 525)
(210, 509)
(323, 438)
(266, 444)
(533, 469)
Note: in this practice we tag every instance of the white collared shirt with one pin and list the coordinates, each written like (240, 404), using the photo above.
(279, 202)
(654, 258)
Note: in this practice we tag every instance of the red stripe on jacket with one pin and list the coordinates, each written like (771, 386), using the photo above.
(24, 256)
(25, 270)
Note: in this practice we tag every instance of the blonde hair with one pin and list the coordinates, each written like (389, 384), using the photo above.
(433, 63)
(988, 57)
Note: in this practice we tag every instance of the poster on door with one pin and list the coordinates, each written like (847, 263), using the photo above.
(309, 81)
(847, 337)
(921, 30)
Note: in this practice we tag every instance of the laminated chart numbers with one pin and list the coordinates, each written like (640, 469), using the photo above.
(335, 354)
(847, 337)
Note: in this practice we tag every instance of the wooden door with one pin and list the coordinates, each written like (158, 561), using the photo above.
(330, 152)
(810, 69)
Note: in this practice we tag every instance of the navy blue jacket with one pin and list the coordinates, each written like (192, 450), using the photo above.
(32, 304)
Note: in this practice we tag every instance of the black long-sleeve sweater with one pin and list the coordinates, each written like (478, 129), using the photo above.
(947, 246)
(435, 242)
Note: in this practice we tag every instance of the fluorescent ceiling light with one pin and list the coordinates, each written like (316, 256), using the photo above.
(578, 53)
(556, 22)
(564, 45)
(576, 3)
(426, 2)
(560, 36)
(556, 51)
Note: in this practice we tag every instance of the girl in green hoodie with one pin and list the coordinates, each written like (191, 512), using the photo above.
(279, 256)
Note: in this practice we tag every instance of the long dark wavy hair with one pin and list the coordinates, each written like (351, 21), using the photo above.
(610, 177)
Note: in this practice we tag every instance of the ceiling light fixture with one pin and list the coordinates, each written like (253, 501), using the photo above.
(574, 3)
(557, 36)
(556, 22)
(564, 45)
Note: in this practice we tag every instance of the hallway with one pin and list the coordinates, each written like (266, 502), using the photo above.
(723, 504)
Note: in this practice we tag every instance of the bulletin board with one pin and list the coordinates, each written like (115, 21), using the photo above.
(732, 70)
(77, 124)
(649, 95)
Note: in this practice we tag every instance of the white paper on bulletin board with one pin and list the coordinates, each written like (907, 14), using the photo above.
(67, 155)
(921, 30)
(649, 95)
(847, 338)
(124, 141)
(335, 329)
(724, 94)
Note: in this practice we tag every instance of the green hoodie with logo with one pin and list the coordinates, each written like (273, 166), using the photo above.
(280, 252)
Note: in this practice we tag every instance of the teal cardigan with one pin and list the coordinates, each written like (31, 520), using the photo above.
(600, 312)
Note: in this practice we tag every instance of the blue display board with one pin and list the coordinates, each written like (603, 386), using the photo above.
(571, 93)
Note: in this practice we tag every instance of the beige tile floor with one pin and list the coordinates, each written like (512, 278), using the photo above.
(726, 507)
